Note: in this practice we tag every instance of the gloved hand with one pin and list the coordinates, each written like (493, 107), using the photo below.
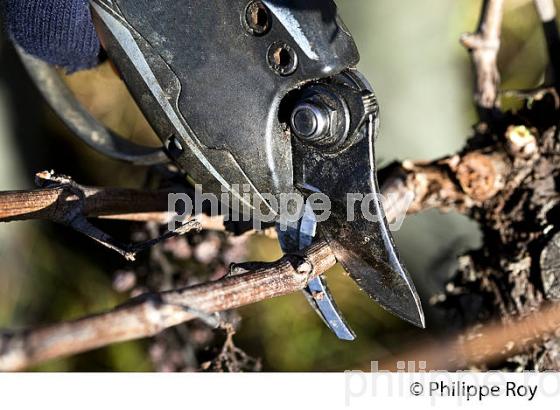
(60, 32)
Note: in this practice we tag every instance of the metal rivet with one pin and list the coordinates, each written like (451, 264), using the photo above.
(174, 147)
(282, 58)
(257, 18)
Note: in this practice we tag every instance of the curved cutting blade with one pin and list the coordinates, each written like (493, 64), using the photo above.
(357, 230)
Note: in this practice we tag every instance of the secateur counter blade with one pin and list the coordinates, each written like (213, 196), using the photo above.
(317, 293)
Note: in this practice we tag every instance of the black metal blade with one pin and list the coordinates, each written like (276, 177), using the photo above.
(363, 243)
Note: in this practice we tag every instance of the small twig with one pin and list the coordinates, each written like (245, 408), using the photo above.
(152, 313)
(231, 358)
(62, 200)
(484, 46)
(547, 13)
(128, 251)
(73, 215)
(535, 94)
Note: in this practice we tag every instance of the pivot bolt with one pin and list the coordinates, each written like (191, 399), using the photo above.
(310, 121)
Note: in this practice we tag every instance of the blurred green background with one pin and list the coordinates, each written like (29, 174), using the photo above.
(411, 54)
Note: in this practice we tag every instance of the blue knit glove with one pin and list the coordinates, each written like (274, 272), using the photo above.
(60, 32)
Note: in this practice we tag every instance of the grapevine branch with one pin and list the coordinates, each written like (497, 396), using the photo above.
(484, 45)
(483, 345)
(151, 313)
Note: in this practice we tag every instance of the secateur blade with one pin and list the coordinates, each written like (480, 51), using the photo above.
(344, 170)
(317, 293)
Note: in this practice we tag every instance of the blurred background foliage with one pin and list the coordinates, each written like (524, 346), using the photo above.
(411, 54)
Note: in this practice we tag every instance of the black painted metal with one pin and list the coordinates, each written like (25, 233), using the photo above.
(363, 244)
(218, 81)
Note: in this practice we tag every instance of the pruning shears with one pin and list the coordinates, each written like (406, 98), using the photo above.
(258, 94)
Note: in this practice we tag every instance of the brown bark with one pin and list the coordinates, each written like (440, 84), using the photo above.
(484, 46)
(149, 314)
